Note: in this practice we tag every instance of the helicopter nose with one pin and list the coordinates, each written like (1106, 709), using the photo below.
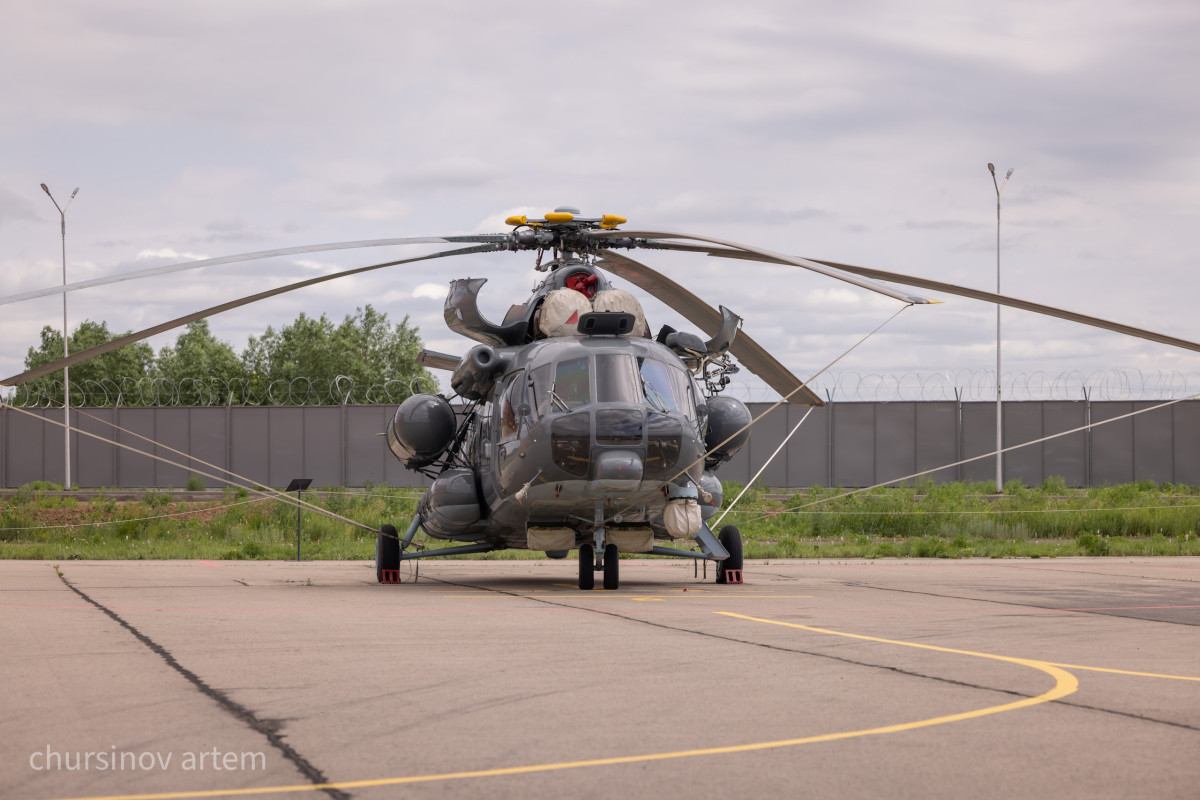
(617, 469)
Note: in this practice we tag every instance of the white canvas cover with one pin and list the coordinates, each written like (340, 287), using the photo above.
(549, 538)
(630, 540)
(682, 518)
(621, 300)
(561, 311)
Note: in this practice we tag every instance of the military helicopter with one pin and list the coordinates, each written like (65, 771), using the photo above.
(578, 429)
(582, 432)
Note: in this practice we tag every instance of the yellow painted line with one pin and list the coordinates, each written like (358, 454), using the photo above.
(1064, 684)
(1127, 672)
(1044, 666)
(479, 591)
(488, 594)
(1024, 661)
(677, 595)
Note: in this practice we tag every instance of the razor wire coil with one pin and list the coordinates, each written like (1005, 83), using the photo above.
(212, 393)
(961, 385)
(980, 386)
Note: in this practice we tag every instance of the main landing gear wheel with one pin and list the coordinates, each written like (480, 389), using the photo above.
(731, 539)
(387, 551)
(612, 567)
(587, 574)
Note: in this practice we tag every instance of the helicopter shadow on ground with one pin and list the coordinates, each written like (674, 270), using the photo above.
(555, 580)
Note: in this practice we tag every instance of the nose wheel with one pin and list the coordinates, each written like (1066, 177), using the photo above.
(587, 569)
(612, 567)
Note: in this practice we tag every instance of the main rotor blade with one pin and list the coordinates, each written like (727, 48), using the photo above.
(213, 262)
(92, 352)
(766, 255)
(975, 294)
(749, 352)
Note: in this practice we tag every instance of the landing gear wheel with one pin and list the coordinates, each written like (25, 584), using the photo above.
(587, 574)
(612, 567)
(387, 551)
(731, 539)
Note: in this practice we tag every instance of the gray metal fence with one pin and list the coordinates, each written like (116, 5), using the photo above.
(842, 444)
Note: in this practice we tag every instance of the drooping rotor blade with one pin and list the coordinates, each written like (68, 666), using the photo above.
(283, 251)
(765, 255)
(749, 352)
(92, 352)
(975, 294)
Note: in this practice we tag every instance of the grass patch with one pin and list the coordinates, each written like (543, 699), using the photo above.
(927, 520)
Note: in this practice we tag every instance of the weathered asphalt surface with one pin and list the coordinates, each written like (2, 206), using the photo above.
(500, 679)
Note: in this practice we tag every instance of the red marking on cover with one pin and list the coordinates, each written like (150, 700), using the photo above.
(583, 283)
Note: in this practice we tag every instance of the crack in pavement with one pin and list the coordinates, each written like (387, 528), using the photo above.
(237, 710)
(842, 659)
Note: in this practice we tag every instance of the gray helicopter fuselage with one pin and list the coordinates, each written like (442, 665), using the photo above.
(576, 432)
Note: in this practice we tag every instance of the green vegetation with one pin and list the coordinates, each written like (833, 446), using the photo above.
(233, 525)
(958, 520)
(364, 347)
(924, 521)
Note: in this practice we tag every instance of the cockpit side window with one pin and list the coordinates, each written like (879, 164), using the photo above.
(685, 393)
(656, 383)
(510, 407)
(668, 387)
(572, 384)
(540, 377)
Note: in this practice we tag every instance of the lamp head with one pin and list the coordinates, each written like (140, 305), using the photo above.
(45, 189)
(992, 168)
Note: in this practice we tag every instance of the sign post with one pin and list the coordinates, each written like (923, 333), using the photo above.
(298, 485)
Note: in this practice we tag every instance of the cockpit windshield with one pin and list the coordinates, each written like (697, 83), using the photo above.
(620, 378)
(572, 385)
(616, 379)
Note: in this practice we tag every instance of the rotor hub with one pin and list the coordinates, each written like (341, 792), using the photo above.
(564, 229)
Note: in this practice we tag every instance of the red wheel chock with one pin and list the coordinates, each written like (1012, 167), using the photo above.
(733, 576)
(393, 576)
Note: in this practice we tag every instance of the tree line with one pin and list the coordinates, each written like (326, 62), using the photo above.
(365, 347)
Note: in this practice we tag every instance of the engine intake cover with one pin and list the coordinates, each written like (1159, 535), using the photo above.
(421, 430)
(727, 417)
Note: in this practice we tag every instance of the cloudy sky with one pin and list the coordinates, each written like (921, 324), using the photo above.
(859, 133)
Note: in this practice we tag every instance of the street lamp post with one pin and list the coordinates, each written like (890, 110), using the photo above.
(999, 432)
(62, 215)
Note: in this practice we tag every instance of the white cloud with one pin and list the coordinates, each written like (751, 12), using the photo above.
(315, 265)
(432, 291)
(856, 133)
(169, 252)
